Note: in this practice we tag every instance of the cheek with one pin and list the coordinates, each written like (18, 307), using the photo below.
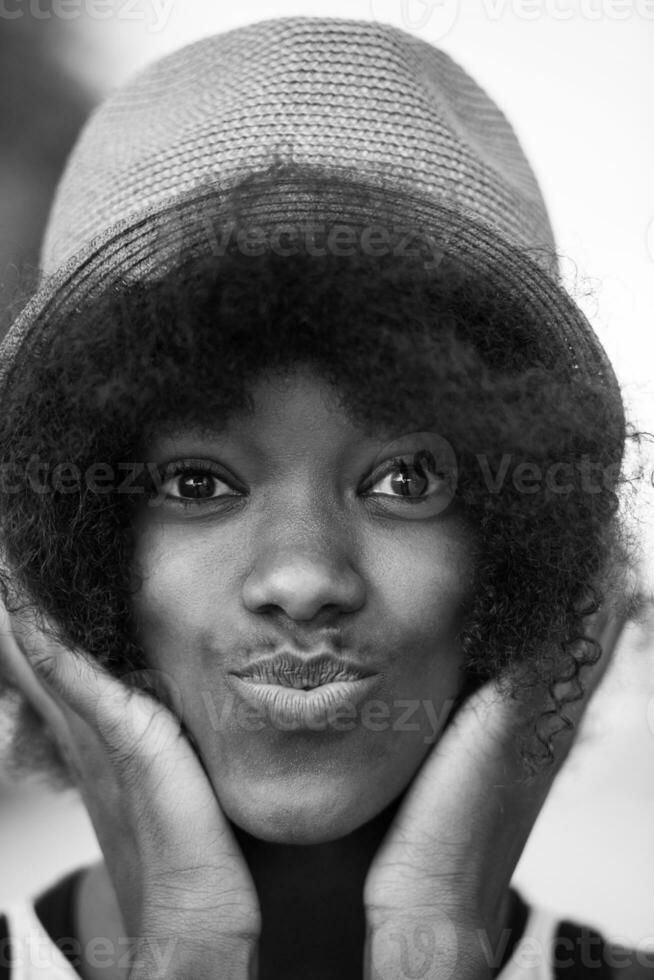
(426, 586)
(178, 585)
(276, 783)
(423, 586)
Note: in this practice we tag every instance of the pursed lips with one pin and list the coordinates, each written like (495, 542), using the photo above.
(303, 692)
(307, 671)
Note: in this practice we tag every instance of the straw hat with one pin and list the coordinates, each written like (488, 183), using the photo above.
(405, 134)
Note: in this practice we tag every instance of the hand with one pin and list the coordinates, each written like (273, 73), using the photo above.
(436, 893)
(175, 866)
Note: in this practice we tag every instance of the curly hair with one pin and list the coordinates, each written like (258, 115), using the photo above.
(401, 346)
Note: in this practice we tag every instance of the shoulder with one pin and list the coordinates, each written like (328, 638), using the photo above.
(551, 948)
(5, 948)
(581, 951)
(27, 949)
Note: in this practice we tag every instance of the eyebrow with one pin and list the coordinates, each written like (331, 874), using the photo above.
(217, 425)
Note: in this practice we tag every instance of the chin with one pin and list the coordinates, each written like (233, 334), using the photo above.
(305, 814)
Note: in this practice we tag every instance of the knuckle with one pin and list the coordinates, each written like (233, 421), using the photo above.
(135, 730)
(47, 666)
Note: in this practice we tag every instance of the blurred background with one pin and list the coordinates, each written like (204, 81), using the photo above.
(576, 78)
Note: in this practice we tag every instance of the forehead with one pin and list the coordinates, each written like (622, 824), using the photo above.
(296, 407)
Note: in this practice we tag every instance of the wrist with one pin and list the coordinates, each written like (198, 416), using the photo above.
(232, 958)
(425, 942)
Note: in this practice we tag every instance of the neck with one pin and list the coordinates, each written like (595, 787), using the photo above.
(311, 902)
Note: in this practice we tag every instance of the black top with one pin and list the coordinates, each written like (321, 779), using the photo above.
(579, 953)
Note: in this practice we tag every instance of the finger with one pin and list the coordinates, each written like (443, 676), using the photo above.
(606, 627)
(470, 802)
(135, 728)
(539, 713)
(155, 812)
(492, 729)
(130, 742)
(61, 722)
(20, 672)
(73, 679)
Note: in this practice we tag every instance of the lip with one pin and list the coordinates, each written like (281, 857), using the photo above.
(290, 670)
(303, 692)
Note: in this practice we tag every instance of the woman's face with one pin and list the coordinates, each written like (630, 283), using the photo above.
(291, 531)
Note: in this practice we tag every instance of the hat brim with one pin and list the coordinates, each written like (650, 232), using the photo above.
(148, 243)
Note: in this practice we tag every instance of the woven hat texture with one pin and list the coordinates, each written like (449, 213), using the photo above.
(363, 101)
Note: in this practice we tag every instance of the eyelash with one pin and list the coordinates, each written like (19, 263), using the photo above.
(188, 467)
(399, 464)
(402, 464)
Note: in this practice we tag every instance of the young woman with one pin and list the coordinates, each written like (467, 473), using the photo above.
(311, 546)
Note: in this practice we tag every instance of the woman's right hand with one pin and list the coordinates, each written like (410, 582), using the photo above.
(176, 868)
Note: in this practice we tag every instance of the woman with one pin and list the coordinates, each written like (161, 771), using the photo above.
(311, 546)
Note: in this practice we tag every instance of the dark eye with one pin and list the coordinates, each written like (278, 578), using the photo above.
(414, 476)
(194, 483)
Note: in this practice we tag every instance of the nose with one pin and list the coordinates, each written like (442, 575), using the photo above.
(304, 576)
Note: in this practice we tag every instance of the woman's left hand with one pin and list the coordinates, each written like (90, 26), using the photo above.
(436, 895)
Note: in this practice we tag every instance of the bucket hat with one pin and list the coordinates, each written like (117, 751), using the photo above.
(405, 137)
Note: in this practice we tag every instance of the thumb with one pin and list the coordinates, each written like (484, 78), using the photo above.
(65, 685)
(467, 815)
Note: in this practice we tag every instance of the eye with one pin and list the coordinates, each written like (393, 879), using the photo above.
(414, 477)
(194, 481)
